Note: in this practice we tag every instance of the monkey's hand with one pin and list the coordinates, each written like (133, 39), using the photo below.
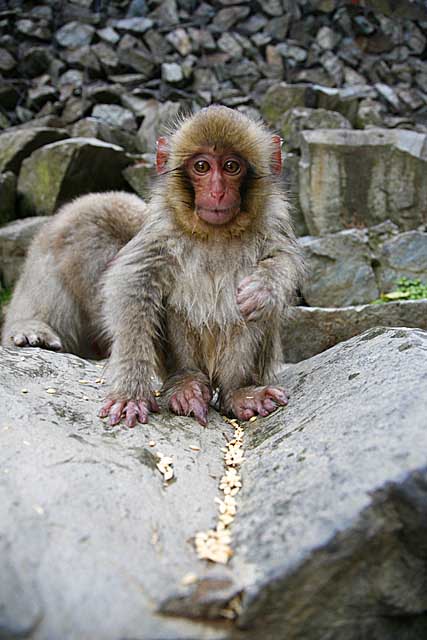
(251, 401)
(255, 297)
(191, 397)
(131, 410)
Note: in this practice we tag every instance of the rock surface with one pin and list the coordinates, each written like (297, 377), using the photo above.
(352, 178)
(311, 330)
(94, 544)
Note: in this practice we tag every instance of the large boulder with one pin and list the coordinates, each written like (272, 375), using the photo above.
(340, 269)
(356, 265)
(18, 144)
(311, 330)
(353, 178)
(63, 170)
(327, 542)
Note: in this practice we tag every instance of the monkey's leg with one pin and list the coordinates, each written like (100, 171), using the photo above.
(187, 389)
(41, 312)
(241, 374)
(188, 392)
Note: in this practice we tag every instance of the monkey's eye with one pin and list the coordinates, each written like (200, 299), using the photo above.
(201, 166)
(232, 167)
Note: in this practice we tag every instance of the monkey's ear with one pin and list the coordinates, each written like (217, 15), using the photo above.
(162, 154)
(276, 160)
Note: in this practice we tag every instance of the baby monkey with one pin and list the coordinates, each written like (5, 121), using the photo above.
(191, 287)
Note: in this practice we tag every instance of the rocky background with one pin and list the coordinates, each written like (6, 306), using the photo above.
(87, 85)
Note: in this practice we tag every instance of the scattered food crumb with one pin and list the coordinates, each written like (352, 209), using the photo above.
(157, 394)
(152, 443)
(215, 544)
(84, 381)
(252, 419)
(38, 509)
(165, 467)
(24, 390)
(194, 447)
(51, 390)
(189, 578)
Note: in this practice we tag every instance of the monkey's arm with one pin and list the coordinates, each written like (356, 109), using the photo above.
(134, 290)
(273, 284)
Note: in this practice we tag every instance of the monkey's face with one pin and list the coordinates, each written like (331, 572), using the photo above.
(217, 179)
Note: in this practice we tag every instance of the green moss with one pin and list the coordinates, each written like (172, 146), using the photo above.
(406, 289)
(5, 295)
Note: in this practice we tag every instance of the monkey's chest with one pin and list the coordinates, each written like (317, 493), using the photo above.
(206, 300)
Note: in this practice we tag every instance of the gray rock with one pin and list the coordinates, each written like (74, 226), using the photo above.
(332, 521)
(229, 44)
(39, 96)
(7, 196)
(370, 113)
(315, 507)
(404, 255)
(140, 176)
(115, 115)
(35, 61)
(38, 30)
(290, 178)
(311, 330)
(333, 65)
(327, 38)
(74, 34)
(301, 119)
(180, 40)
(15, 238)
(61, 171)
(139, 60)
(345, 101)
(97, 525)
(7, 61)
(107, 57)
(109, 35)
(281, 97)
(134, 25)
(291, 52)
(16, 145)
(94, 128)
(172, 72)
(156, 117)
(340, 269)
(228, 17)
(350, 178)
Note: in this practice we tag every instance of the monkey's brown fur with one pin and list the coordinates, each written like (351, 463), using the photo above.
(169, 296)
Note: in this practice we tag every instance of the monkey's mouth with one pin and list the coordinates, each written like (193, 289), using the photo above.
(216, 216)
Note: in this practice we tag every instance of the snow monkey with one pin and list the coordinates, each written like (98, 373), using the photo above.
(191, 287)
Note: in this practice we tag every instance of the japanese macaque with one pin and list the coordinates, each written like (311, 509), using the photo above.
(191, 287)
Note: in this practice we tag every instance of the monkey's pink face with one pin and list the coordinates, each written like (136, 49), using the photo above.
(217, 179)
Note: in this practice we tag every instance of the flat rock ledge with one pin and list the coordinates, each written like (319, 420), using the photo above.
(330, 535)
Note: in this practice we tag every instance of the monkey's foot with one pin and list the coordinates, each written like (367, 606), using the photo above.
(132, 411)
(191, 397)
(35, 334)
(251, 401)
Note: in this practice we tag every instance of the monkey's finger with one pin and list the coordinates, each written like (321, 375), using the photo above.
(34, 340)
(175, 405)
(153, 405)
(20, 340)
(116, 412)
(143, 412)
(131, 413)
(278, 395)
(207, 393)
(199, 411)
(269, 404)
(242, 413)
(105, 409)
(261, 410)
